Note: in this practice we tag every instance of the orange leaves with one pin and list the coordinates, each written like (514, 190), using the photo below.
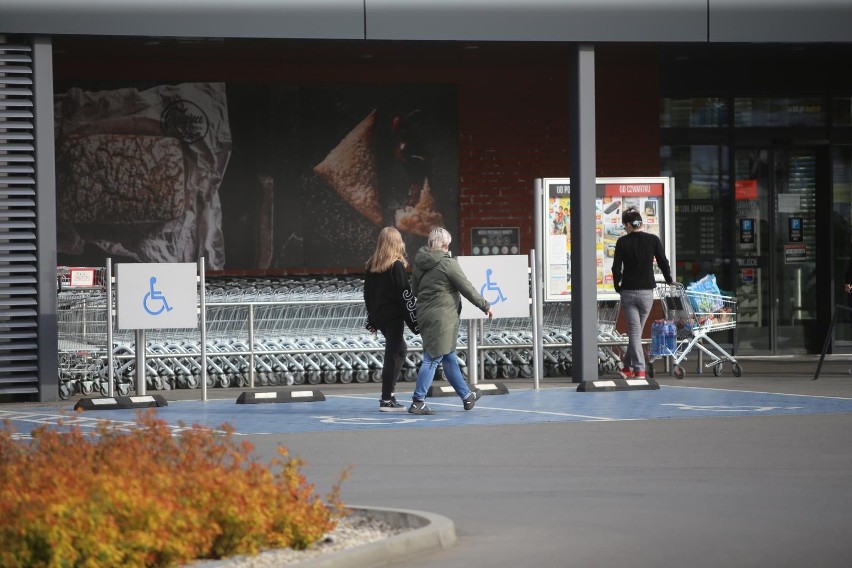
(150, 496)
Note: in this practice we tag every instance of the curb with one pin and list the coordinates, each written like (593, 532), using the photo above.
(427, 532)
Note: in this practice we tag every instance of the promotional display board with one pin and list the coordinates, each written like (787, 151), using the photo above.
(157, 295)
(503, 280)
(652, 197)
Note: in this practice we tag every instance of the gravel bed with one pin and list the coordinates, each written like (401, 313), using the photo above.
(351, 531)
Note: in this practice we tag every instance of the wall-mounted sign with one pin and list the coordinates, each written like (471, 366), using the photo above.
(495, 240)
(794, 254)
(746, 231)
(745, 189)
(794, 230)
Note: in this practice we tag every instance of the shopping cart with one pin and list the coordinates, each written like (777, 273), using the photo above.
(696, 315)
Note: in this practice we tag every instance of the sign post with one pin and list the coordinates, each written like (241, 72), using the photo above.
(503, 280)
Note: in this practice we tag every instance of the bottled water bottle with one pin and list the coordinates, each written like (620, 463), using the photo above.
(671, 337)
(656, 337)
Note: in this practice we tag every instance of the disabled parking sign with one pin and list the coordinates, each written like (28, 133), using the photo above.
(157, 295)
(503, 280)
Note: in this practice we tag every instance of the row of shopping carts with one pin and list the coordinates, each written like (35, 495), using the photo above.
(295, 331)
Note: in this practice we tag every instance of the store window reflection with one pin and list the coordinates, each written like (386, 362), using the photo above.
(779, 112)
(841, 111)
(702, 211)
(705, 112)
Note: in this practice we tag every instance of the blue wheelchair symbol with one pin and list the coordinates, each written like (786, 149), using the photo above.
(491, 287)
(155, 296)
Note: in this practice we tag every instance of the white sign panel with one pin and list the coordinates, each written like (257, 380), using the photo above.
(503, 280)
(157, 295)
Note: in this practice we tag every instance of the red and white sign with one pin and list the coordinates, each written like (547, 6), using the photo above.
(81, 277)
(633, 190)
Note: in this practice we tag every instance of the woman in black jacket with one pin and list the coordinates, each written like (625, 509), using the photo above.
(390, 306)
(633, 277)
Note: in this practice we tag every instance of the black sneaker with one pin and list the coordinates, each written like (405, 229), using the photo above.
(471, 399)
(419, 407)
(391, 406)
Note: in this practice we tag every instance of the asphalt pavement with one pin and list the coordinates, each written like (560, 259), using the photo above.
(706, 471)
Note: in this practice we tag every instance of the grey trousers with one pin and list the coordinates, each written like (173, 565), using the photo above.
(636, 305)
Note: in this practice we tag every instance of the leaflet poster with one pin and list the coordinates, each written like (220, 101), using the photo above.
(650, 196)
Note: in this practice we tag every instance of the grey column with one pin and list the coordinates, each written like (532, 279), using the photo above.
(584, 321)
(45, 184)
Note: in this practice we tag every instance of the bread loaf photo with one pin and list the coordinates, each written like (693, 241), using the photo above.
(119, 178)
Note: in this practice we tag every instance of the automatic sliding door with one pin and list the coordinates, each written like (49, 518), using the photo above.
(776, 250)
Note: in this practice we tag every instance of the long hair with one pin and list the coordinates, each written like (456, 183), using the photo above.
(389, 248)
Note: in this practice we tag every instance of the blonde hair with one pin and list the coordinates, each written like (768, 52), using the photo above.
(389, 248)
(439, 238)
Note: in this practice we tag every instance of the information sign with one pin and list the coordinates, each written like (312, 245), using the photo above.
(495, 240)
(157, 295)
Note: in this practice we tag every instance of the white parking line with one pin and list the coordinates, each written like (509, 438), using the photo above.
(433, 402)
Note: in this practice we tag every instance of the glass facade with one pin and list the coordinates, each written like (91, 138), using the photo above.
(841, 166)
(779, 112)
(750, 174)
(702, 210)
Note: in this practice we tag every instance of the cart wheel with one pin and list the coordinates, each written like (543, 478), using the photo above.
(362, 376)
(677, 371)
(737, 370)
(87, 387)
(346, 377)
(64, 391)
(123, 389)
(191, 382)
(526, 371)
(717, 370)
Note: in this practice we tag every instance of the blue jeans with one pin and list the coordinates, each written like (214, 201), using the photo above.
(636, 305)
(451, 371)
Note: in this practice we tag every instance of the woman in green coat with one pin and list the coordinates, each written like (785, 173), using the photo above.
(438, 283)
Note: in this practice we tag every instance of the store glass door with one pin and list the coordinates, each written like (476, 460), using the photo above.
(775, 249)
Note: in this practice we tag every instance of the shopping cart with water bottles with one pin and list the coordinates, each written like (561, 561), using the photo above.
(691, 316)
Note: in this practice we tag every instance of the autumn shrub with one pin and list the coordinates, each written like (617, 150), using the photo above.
(150, 495)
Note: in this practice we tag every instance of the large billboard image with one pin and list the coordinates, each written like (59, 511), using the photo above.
(257, 177)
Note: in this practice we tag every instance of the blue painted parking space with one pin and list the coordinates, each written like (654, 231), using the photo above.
(360, 411)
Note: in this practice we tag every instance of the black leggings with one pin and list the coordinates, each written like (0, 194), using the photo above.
(395, 350)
